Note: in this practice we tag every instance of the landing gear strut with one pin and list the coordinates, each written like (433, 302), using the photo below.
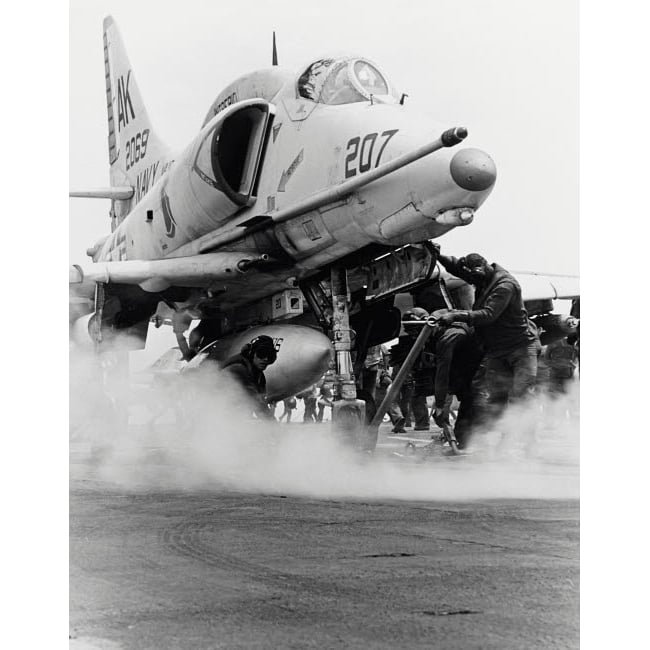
(348, 412)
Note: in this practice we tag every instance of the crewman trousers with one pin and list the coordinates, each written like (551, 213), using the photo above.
(510, 377)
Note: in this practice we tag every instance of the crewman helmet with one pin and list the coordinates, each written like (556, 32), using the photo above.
(263, 346)
(477, 266)
(415, 313)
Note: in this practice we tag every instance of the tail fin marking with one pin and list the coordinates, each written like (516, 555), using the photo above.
(113, 153)
(133, 146)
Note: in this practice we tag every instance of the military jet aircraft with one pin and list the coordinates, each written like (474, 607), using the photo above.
(308, 196)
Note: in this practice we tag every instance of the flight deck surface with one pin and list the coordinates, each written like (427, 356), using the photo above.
(159, 562)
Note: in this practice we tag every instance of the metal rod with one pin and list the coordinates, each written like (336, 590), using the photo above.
(100, 298)
(396, 386)
(443, 290)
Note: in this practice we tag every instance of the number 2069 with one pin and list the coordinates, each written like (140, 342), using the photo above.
(136, 148)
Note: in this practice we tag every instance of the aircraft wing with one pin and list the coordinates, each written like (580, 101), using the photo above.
(534, 286)
(539, 286)
(158, 275)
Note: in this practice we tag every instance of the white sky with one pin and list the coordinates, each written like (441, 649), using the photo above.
(506, 69)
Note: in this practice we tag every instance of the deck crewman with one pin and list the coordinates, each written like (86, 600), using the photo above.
(502, 325)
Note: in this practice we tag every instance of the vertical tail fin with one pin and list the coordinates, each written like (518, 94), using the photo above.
(132, 144)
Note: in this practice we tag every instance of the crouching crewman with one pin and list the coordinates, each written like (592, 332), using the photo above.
(246, 369)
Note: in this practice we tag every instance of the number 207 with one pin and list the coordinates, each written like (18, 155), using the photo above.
(360, 152)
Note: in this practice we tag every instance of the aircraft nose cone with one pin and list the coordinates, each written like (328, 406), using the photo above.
(473, 169)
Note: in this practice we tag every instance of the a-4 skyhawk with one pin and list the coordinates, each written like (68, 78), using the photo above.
(307, 197)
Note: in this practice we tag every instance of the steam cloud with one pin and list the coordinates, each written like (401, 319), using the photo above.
(180, 431)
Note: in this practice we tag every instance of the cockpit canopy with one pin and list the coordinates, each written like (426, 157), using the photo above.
(345, 80)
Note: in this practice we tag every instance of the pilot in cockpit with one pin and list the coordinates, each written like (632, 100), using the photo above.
(344, 81)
